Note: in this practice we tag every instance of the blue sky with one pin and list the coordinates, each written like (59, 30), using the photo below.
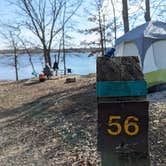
(9, 16)
(7, 13)
(6, 10)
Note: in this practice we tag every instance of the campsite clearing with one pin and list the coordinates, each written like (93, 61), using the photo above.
(55, 124)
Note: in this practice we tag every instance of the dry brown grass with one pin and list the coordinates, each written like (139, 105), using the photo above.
(55, 124)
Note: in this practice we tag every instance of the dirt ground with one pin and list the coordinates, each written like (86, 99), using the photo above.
(55, 124)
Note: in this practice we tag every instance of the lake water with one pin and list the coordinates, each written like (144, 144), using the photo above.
(79, 63)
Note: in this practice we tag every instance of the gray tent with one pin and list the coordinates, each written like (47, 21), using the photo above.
(148, 42)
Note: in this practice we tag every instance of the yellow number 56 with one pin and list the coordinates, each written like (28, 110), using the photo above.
(113, 121)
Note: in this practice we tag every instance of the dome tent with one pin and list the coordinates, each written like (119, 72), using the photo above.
(148, 42)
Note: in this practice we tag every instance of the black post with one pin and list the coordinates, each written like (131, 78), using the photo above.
(122, 112)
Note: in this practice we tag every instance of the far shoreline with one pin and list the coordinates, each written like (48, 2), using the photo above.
(40, 51)
(36, 78)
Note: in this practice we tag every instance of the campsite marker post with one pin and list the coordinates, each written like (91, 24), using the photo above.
(122, 112)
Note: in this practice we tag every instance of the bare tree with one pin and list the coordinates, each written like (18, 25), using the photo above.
(14, 45)
(97, 18)
(101, 28)
(147, 12)
(63, 40)
(10, 34)
(115, 26)
(42, 18)
(125, 15)
(59, 50)
(24, 44)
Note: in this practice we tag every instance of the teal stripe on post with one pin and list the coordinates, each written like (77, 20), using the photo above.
(121, 88)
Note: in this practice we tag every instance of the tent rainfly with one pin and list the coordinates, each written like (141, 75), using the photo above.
(148, 42)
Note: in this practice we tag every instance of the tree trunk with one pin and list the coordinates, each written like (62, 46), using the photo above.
(59, 51)
(47, 57)
(147, 13)
(104, 34)
(16, 63)
(64, 54)
(125, 15)
(101, 34)
(31, 62)
(115, 30)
